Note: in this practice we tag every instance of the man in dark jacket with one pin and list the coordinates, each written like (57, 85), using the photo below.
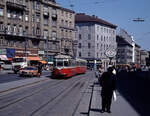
(108, 83)
(40, 69)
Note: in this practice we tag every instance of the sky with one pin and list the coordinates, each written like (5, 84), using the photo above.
(120, 13)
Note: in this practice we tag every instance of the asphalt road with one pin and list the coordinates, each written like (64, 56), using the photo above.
(10, 76)
(55, 97)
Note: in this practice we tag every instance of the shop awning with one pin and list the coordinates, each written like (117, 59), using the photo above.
(33, 58)
(43, 62)
(3, 57)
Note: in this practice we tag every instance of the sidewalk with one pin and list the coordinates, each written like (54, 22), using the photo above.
(119, 108)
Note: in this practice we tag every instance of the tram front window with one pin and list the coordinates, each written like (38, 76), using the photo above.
(59, 63)
(66, 63)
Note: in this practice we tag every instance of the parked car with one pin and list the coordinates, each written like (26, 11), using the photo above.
(29, 71)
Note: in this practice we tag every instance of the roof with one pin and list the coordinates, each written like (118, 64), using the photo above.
(121, 41)
(81, 17)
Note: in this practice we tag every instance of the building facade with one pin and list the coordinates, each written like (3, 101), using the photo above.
(94, 37)
(128, 52)
(124, 51)
(36, 25)
(144, 56)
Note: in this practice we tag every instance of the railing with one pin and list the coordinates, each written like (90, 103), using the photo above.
(11, 4)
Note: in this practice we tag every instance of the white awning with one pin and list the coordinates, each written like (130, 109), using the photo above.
(3, 57)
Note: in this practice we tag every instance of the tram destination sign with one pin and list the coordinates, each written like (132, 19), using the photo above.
(110, 53)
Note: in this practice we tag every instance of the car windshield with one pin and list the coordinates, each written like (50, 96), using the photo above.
(18, 60)
(29, 68)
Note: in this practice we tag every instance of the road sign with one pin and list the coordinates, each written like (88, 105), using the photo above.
(110, 53)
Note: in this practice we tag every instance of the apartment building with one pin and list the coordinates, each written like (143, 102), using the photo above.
(128, 51)
(94, 37)
(36, 28)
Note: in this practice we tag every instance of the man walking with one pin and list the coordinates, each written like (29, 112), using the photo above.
(108, 83)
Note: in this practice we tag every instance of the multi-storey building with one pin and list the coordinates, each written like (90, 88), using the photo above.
(124, 51)
(144, 57)
(94, 37)
(128, 52)
(36, 27)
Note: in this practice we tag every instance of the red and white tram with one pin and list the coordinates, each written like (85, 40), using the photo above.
(65, 66)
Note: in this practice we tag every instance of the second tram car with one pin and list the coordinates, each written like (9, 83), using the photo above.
(65, 66)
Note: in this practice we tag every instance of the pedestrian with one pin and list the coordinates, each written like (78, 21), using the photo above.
(40, 68)
(108, 84)
(101, 71)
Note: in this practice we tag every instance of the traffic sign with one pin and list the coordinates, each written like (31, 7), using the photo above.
(110, 53)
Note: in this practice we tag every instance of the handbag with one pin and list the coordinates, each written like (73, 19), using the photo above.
(114, 95)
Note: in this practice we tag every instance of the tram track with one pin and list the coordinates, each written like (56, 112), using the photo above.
(36, 92)
(63, 93)
(27, 96)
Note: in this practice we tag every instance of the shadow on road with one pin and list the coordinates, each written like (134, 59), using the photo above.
(135, 88)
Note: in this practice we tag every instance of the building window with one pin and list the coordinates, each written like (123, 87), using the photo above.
(38, 31)
(1, 26)
(45, 10)
(79, 54)
(26, 16)
(97, 45)
(14, 14)
(79, 45)
(53, 23)
(89, 36)
(45, 21)
(14, 29)
(32, 3)
(1, 11)
(89, 54)
(20, 1)
(38, 5)
(26, 31)
(20, 30)
(89, 45)
(80, 37)
(54, 35)
(27, 4)
(37, 18)
(45, 34)
(33, 18)
(8, 13)
(33, 31)
(20, 15)
(97, 37)
(53, 11)
(8, 29)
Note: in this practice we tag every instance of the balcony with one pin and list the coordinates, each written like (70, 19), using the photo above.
(54, 16)
(16, 6)
(46, 14)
